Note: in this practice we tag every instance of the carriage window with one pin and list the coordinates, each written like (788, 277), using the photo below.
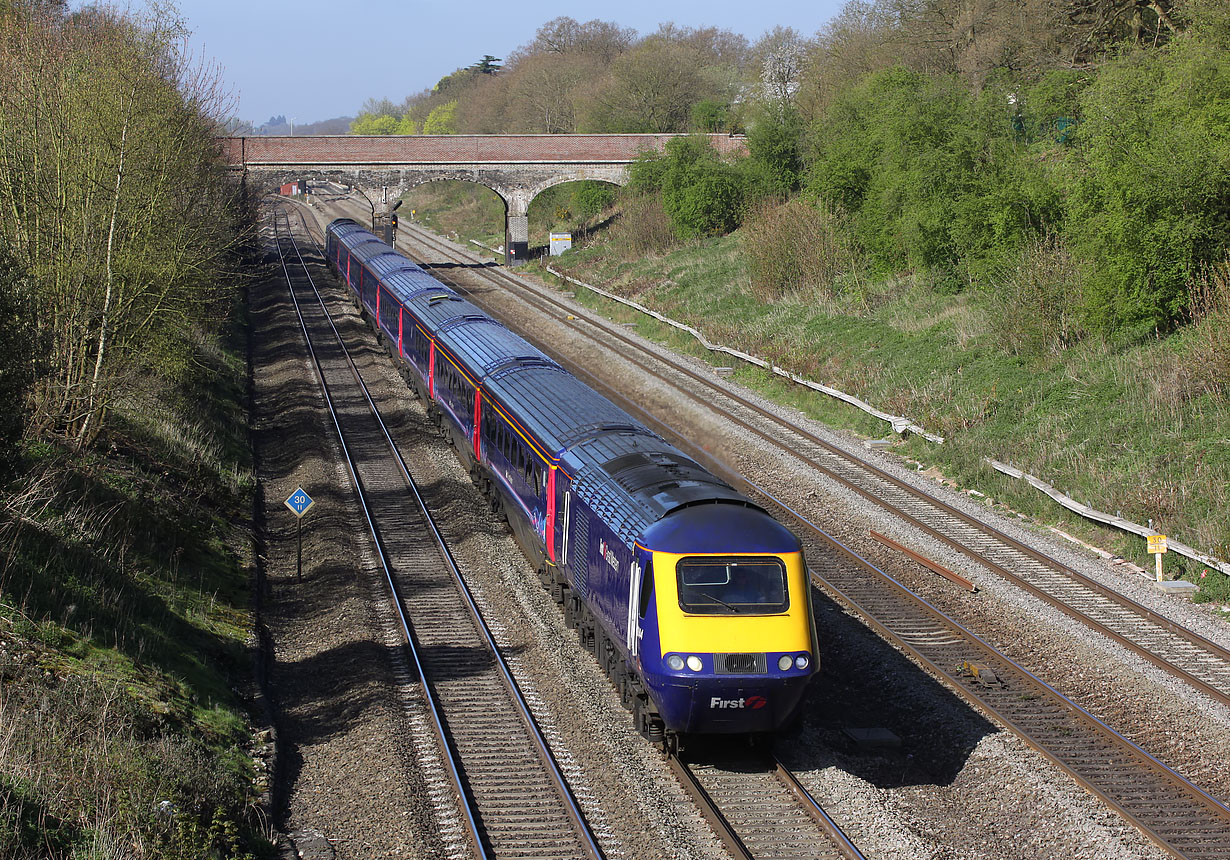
(732, 585)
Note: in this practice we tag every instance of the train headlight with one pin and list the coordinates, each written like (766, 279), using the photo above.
(694, 663)
(784, 662)
(675, 663)
(802, 661)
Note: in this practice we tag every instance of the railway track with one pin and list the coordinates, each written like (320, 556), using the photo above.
(512, 800)
(1164, 805)
(759, 809)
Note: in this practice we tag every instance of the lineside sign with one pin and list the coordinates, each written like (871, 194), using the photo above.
(1157, 546)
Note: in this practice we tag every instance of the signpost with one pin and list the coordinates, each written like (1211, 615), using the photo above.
(1157, 546)
(300, 503)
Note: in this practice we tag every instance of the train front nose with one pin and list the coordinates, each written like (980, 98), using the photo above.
(712, 703)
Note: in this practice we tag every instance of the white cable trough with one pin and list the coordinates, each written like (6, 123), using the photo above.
(1108, 519)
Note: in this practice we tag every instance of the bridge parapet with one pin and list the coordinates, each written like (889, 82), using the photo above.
(401, 150)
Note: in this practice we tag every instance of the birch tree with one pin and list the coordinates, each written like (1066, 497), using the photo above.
(120, 209)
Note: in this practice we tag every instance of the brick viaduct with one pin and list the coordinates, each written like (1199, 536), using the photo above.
(517, 167)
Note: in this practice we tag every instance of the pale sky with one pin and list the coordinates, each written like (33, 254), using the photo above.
(313, 60)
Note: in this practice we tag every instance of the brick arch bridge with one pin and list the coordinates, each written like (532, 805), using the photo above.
(517, 167)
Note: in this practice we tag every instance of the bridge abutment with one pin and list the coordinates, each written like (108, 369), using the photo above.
(516, 239)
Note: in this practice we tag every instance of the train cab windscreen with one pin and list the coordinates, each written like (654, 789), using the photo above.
(750, 585)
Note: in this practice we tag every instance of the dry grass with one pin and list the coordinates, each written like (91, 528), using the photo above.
(1209, 358)
(799, 250)
(1039, 294)
(643, 228)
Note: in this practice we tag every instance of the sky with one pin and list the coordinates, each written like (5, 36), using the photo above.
(311, 60)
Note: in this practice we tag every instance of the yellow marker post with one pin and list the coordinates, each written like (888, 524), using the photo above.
(1157, 546)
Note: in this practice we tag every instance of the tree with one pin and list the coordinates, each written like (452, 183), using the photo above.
(442, 119)
(545, 91)
(1150, 201)
(115, 204)
(367, 123)
(21, 350)
(601, 40)
(652, 89)
(488, 65)
(782, 53)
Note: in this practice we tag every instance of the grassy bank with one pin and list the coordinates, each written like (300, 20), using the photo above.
(124, 588)
(1123, 426)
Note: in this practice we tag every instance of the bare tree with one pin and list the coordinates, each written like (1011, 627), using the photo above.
(122, 213)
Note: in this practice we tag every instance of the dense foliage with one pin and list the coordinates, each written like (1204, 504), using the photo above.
(959, 147)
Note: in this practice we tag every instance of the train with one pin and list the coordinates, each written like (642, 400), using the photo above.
(693, 599)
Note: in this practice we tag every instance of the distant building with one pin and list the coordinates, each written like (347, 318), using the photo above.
(290, 189)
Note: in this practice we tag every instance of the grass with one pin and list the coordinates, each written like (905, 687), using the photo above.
(124, 577)
(1120, 425)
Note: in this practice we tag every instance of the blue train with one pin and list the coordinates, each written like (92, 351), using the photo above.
(695, 601)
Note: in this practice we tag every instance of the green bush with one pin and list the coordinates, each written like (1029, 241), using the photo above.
(1214, 586)
(589, 199)
(709, 116)
(1151, 200)
(775, 164)
(701, 194)
(936, 180)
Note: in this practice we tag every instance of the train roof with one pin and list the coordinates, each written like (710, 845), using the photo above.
(719, 529)
(487, 346)
(366, 248)
(344, 226)
(630, 476)
(439, 306)
(559, 408)
(389, 263)
(411, 281)
(634, 479)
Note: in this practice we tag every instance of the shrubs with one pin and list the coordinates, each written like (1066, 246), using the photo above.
(1151, 197)
(590, 198)
(643, 226)
(87, 772)
(797, 248)
(702, 195)
(1038, 299)
(1208, 359)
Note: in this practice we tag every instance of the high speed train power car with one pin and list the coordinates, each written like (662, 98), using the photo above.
(694, 600)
